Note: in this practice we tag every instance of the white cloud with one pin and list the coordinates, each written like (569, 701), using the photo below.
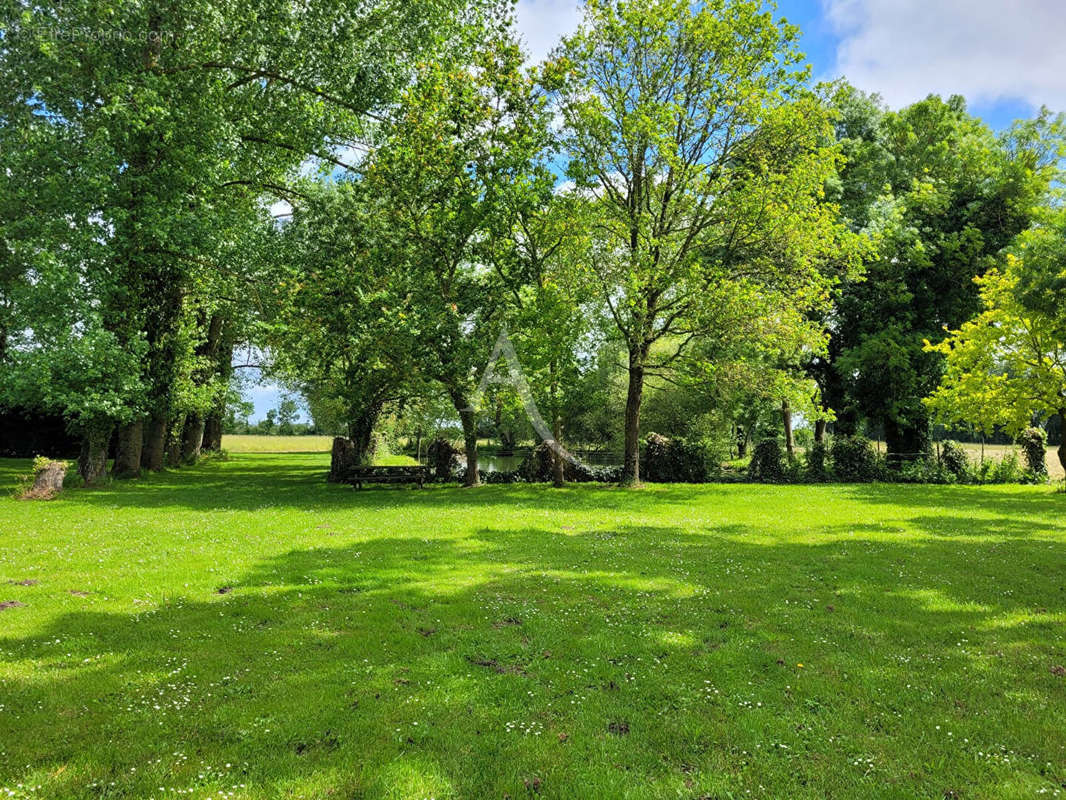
(987, 50)
(542, 23)
(280, 208)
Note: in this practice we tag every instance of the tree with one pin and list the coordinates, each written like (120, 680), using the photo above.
(463, 142)
(238, 412)
(288, 411)
(335, 331)
(693, 128)
(1041, 287)
(192, 111)
(940, 195)
(541, 262)
(1008, 364)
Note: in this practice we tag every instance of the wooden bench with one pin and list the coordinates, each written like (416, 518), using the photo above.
(419, 474)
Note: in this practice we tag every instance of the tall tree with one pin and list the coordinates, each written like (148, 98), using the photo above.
(463, 142)
(1007, 366)
(940, 195)
(338, 304)
(693, 128)
(542, 263)
(188, 108)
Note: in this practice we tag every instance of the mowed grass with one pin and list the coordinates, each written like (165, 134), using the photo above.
(256, 443)
(242, 629)
(238, 444)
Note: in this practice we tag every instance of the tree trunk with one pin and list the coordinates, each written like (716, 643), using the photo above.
(466, 417)
(174, 437)
(154, 453)
(418, 446)
(341, 458)
(786, 418)
(819, 430)
(212, 432)
(48, 482)
(128, 450)
(907, 442)
(224, 360)
(742, 442)
(361, 433)
(1062, 438)
(92, 463)
(192, 438)
(634, 396)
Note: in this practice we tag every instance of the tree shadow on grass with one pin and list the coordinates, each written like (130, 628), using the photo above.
(257, 483)
(283, 481)
(644, 661)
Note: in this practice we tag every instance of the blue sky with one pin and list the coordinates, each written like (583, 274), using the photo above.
(1007, 57)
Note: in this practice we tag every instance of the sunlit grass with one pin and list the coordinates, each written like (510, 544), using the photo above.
(254, 443)
(243, 629)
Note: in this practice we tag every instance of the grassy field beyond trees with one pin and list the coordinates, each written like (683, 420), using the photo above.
(242, 629)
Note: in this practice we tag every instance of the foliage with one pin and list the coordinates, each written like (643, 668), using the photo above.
(673, 460)
(688, 127)
(87, 376)
(767, 462)
(954, 459)
(444, 458)
(1004, 470)
(1033, 442)
(1007, 364)
(462, 151)
(939, 195)
(148, 140)
(817, 468)
(854, 460)
(921, 470)
(333, 332)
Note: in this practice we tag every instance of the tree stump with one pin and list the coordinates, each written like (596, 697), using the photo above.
(443, 458)
(342, 458)
(47, 481)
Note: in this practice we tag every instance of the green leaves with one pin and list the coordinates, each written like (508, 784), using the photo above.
(1007, 364)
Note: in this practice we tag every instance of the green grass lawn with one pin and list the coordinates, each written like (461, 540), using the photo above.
(241, 629)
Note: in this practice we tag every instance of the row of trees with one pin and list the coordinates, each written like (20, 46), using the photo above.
(665, 208)
(138, 148)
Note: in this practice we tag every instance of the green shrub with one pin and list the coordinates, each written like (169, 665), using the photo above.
(795, 470)
(1006, 470)
(1033, 442)
(817, 469)
(673, 461)
(854, 460)
(767, 465)
(954, 460)
(923, 470)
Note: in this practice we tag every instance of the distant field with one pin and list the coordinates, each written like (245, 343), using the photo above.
(997, 451)
(235, 443)
(297, 444)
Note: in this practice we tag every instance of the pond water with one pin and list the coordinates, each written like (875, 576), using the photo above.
(499, 463)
